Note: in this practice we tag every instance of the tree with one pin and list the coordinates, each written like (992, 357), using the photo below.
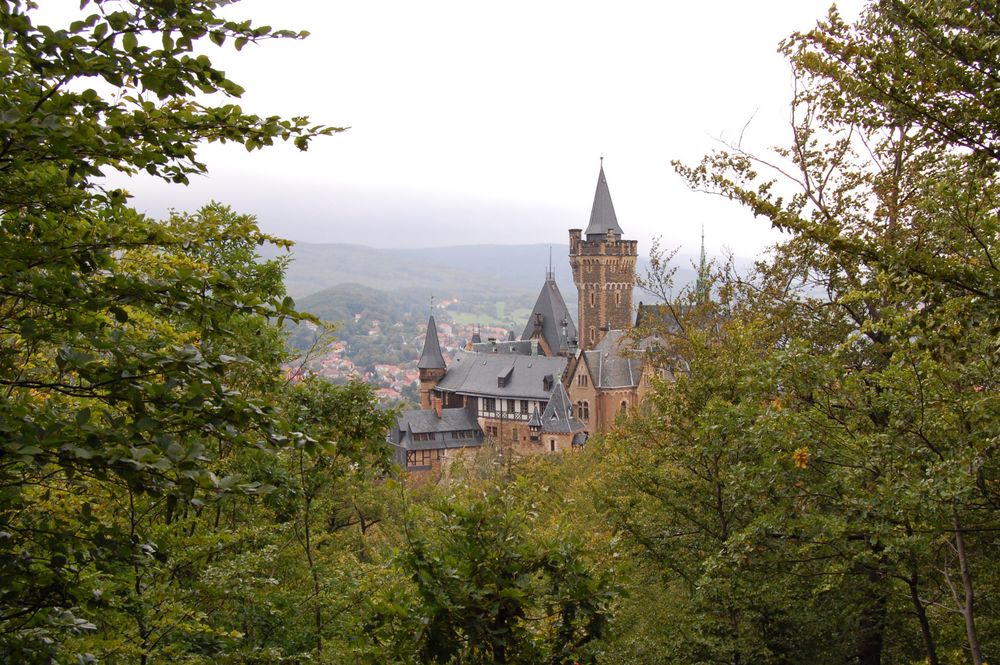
(851, 437)
(486, 588)
(115, 333)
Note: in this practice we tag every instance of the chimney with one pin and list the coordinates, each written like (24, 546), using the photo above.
(436, 403)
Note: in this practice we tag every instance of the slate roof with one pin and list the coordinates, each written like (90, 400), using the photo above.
(478, 373)
(430, 357)
(608, 365)
(558, 328)
(558, 416)
(426, 421)
(525, 347)
(602, 214)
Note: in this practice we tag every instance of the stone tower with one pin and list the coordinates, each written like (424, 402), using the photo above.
(603, 271)
(431, 365)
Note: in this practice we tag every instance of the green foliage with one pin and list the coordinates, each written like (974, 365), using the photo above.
(488, 589)
(823, 471)
(59, 126)
(124, 342)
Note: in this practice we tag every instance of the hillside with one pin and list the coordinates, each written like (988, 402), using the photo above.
(468, 272)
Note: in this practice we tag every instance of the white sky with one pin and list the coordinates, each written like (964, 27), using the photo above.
(476, 122)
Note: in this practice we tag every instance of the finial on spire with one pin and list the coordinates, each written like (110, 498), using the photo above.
(550, 274)
(432, 304)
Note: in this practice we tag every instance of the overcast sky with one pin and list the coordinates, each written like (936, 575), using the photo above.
(474, 122)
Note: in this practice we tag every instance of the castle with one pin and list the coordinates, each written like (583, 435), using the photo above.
(549, 390)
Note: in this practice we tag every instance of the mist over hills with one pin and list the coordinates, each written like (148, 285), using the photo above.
(469, 272)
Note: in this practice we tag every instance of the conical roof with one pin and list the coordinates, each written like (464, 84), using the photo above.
(430, 357)
(536, 418)
(558, 416)
(602, 214)
(557, 325)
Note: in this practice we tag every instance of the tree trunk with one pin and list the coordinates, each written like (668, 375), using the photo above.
(925, 626)
(968, 611)
(306, 519)
(871, 624)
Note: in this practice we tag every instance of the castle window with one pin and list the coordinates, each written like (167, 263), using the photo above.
(593, 334)
(524, 406)
(510, 406)
(618, 297)
(583, 410)
(513, 434)
(582, 380)
(624, 407)
(489, 404)
(593, 298)
(552, 445)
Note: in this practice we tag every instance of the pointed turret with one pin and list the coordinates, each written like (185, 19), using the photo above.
(431, 365)
(431, 357)
(602, 214)
(558, 416)
(550, 322)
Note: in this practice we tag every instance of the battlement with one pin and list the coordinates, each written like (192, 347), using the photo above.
(578, 247)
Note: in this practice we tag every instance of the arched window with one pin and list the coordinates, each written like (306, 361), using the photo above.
(618, 297)
(624, 407)
(593, 298)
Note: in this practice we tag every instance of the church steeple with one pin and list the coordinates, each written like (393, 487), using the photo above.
(602, 214)
(702, 287)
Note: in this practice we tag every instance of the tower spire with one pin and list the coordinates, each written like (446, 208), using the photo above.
(602, 215)
(431, 357)
(603, 264)
(701, 286)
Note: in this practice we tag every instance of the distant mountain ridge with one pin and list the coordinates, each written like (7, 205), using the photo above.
(507, 270)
